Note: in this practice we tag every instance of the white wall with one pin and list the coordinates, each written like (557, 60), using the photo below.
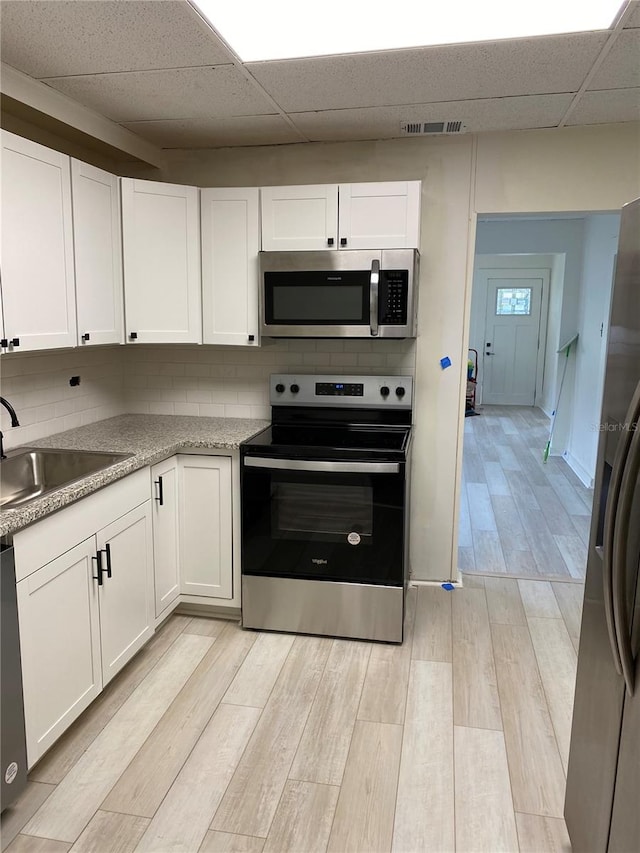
(37, 385)
(600, 246)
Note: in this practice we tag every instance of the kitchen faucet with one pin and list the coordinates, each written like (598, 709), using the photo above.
(14, 422)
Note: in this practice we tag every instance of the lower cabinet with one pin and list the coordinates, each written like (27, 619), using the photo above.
(164, 485)
(205, 514)
(84, 613)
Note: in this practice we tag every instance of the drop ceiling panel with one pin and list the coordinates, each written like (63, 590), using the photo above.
(216, 133)
(611, 105)
(221, 90)
(54, 38)
(461, 72)
(634, 19)
(621, 66)
(384, 122)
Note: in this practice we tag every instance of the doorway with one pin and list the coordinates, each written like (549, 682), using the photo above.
(533, 283)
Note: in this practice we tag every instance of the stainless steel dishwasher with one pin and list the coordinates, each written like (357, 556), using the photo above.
(13, 749)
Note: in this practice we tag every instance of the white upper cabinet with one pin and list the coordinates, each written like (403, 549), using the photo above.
(161, 249)
(380, 215)
(299, 218)
(98, 255)
(37, 247)
(230, 246)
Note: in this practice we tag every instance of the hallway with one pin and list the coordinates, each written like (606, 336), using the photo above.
(520, 517)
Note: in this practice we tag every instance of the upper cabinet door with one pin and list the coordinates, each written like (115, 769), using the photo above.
(299, 218)
(161, 243)
(380, 215)
(230, 246)
(98, 255)
(37, 246)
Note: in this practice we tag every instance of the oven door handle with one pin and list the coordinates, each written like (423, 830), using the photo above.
(331, 467)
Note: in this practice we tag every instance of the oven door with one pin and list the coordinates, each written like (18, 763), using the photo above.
(323, 520)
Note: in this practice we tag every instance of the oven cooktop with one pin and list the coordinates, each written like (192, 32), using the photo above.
(343, 442)
(333, 417)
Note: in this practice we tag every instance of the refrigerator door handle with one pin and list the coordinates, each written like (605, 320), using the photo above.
(611, 511)
(619, 562)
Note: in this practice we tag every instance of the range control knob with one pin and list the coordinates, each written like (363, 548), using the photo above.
(384, 391)
(294, 388)
(279, 387)
(400, 391)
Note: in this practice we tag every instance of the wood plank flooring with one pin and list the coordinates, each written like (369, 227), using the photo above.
(519, 517)
(219, 740)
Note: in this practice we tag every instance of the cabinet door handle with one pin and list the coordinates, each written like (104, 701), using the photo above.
(107, 551)
(4, 342)
(98, 559)
(133, 336)
(15, 342)
(160, 496)
(86, 336)
(330, 241)
(343, 241)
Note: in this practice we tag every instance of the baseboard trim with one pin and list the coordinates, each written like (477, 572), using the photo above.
(579, 470)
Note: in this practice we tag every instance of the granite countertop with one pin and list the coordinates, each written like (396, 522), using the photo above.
(150, 438)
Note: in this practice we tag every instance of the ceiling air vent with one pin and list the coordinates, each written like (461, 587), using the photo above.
(420, 128)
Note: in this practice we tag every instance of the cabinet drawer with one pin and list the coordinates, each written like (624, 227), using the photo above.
(47, 539)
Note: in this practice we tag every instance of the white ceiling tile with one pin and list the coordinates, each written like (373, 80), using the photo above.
(54, 38)
(221, 91)
(216, 133)
(607, 106)
(634, 19)
(384, 122)
(494, 69)
(621, 66)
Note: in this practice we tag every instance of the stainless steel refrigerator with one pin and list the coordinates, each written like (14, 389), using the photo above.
(602, 805)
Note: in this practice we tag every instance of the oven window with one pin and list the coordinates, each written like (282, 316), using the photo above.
(300, 510)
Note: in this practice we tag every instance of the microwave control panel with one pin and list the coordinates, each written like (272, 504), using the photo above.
(392, 297)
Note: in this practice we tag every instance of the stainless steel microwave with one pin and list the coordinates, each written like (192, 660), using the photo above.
(339, 294)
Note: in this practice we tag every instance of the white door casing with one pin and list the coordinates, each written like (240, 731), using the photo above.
(513, 351)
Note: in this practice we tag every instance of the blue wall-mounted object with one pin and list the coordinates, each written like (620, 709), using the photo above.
(445, 362)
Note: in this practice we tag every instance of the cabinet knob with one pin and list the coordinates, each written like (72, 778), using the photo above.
(133, 336)
(4, 342)
(15, 342)
(330, 241)
(86, 336)
(343, 241)
(252, 338)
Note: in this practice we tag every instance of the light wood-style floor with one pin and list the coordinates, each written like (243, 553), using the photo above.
(220, 740)
(520, 517)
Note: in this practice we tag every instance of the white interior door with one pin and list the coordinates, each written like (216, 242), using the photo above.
(512, 336)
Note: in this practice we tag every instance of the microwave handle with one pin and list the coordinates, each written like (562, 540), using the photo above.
(373, 296)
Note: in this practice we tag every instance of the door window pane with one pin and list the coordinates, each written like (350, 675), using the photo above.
(513, 300)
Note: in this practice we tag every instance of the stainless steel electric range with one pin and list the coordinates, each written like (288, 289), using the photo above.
(325, 510)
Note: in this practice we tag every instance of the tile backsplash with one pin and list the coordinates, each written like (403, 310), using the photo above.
(211, 381)
(37, 385)
(233, 381)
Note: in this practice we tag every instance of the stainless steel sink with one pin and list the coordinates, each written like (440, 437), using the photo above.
(30, 472)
